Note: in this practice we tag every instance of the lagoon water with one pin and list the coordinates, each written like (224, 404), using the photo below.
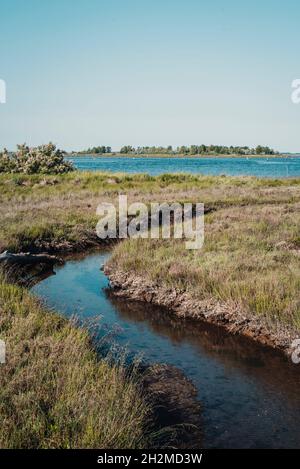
(261, 167)
(249, 394)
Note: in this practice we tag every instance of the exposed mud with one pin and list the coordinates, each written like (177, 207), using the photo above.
(176, 412)
(183, 305)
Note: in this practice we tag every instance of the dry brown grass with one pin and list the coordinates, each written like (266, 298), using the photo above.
(251, 252)
(250, 259)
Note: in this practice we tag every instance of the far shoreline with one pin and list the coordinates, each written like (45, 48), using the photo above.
(177, 156)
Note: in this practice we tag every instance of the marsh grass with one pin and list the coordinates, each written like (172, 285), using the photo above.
(41, 209)
(54, 390)
(250, 259)
(251, 250)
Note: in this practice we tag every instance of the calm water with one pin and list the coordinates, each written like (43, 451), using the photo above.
(261, 167)
(250, 395)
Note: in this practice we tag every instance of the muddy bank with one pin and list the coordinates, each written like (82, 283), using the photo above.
(175, 410)
(35, 261)
(183, 305)
(87, 242)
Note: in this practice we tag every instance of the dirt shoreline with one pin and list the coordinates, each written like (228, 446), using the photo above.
(182, 304)
(87, 243)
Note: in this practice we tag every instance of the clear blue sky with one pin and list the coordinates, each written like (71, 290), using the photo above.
(149, 72)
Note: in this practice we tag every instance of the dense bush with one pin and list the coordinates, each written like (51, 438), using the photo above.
(45, 159)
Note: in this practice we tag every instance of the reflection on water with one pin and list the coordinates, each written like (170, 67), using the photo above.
(250, 395)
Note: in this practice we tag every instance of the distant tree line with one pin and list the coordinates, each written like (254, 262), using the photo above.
(96, 150)
(199, 150)
(183, 150)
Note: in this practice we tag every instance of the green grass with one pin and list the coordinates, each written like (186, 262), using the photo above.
(54, 391)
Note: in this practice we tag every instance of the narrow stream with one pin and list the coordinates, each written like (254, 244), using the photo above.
(250, 395)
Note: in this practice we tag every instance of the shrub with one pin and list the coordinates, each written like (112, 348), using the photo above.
(45, 159)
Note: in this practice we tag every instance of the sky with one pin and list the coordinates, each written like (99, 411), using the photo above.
(148, 72)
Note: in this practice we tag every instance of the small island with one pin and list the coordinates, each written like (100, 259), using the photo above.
(183, 151)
